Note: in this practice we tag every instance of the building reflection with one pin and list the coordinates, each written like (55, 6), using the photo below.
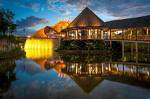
(107, 69)
(88, 71)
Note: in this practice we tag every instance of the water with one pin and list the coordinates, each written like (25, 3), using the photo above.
(45, 74)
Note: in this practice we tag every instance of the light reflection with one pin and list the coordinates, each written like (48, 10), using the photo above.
(39, 54)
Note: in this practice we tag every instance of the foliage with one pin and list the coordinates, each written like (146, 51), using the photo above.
(6, 21)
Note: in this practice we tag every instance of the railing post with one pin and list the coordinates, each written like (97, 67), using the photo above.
(136, 34)
(136, 46)
(147, 31)
(122, 34)
(123, 50)
(131, 35)
(110, 34)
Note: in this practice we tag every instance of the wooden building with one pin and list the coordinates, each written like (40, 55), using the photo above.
(87, 26)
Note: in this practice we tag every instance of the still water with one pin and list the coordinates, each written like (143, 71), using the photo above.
(44, 74)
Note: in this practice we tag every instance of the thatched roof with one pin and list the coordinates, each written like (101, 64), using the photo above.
(43, 33)
(86, 18)
(143, 21)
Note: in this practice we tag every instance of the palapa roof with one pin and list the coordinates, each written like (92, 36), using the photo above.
(143, 21)
(42, 33)
(86, 19)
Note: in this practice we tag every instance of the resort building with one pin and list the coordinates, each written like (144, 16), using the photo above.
(87, 26)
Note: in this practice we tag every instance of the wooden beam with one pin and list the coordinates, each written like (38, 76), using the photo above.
(136, 47)
(122, 34)
(131, 32)
(147, 31)
(123, 50)
(136, 33)
(110, 34)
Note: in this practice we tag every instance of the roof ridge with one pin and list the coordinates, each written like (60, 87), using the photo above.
(84, 19)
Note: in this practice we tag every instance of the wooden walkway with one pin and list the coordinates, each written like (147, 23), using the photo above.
(117, 38)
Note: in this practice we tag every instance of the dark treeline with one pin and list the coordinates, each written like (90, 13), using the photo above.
(7, 26)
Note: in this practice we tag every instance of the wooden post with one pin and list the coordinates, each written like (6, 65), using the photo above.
(136, 46)
(123, 50)
(147, 31)
(67, 35)
(102, 68)
(76, 34)
(102, 34)
(95, 33)
(88, 33)
(110, 38)
(110, 34)
(109, 68)
(122, 35)
(131, 35)
(148, 52)
(136, 33)
(132, 50)
(99, 33)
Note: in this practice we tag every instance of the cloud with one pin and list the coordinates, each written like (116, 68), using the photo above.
(24, 32)
(112, 8)
(108, 9)
(34, 5)
(61, 6)
(1, 3)
(31, 21)
(25, 26)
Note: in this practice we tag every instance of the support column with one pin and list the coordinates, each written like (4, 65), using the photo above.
(147, 32)
(110, 39)
(110, 34)
(66, 34)
(123, 50)
(122, 35)
(131, 34)
(96, 33)
(109, 68)
(102, 34)
(76, 34)
(148, 52)
(102, 68)
(132, 50)
(89, 33)
(136, 46)
(136, 34)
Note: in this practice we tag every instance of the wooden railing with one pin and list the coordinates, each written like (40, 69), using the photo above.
(131, 37)
(117, 37)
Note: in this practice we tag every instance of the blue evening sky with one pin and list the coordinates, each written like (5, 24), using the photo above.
(35, 14)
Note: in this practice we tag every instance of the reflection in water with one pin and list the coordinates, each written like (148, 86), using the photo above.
(44, 74)
(38, 54)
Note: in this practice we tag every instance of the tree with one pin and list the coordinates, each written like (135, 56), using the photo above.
(6, 21)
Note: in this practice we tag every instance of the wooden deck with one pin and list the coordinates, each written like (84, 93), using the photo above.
(117, 38)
